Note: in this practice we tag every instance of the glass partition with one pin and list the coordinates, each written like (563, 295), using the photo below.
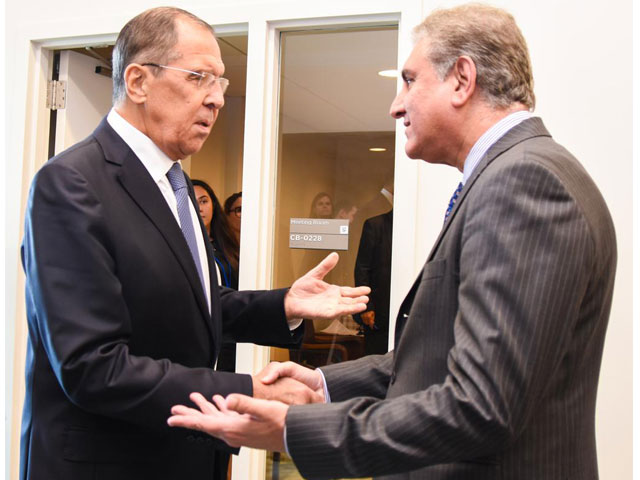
(336, 144)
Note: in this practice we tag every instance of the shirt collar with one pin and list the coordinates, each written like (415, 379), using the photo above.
(155, 160)
(490, 137)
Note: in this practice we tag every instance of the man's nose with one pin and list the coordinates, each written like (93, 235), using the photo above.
(214, 97)
(397, 106)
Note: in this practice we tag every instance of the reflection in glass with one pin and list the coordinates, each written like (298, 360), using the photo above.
(333, 111)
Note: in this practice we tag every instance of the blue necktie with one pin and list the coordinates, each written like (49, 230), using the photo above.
(179, 185)
(452, 202)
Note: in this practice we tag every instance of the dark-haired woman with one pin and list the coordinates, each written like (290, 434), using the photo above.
(225, 244)
(233, 209)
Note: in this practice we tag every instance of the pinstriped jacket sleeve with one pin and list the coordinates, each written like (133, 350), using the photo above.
(520, 259)
(345, 380)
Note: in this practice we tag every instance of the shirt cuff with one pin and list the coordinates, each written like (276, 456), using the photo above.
(286, 447)
(294, 323)
(327, 397)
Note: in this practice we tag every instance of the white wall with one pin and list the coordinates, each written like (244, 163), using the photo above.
(581, 55)
(636, 233)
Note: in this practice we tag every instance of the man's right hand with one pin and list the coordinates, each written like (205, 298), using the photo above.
(287, 390)
(275, 372)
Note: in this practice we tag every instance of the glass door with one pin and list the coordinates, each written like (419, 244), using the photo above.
(334, 191)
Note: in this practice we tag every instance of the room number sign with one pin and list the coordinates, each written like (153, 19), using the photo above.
(319, 233)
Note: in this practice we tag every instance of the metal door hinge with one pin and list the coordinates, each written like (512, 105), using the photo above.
(56, 94)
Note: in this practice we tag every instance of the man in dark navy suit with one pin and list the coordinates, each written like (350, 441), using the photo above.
(124, 310)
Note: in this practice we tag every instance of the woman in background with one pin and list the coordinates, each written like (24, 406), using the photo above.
(222, 238)
(321, 206)
(233, 209)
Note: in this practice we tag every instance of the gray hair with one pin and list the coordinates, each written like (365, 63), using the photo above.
(491, 38)
(148, 37)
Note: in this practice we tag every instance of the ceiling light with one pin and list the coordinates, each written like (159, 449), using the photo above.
(377, 149)
(388, 73)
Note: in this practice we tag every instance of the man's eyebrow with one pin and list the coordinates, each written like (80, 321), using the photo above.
(211, 67)
(203, 70)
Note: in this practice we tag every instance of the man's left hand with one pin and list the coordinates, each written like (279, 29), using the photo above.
(238, 420)
(311, 297)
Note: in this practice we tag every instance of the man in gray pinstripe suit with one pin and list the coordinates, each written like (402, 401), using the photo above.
(498, 343)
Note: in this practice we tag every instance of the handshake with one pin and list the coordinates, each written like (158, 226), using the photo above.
(258, 421)
(289, 383)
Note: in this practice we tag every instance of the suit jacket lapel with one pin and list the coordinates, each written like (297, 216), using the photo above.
(140, 186)
(527, 129)
(530, 128)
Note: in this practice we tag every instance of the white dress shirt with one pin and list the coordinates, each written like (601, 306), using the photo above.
(158, 164)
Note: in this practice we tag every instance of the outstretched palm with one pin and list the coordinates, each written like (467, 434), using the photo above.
(311, 297)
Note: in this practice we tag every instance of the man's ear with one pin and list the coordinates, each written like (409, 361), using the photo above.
(136, 80)
(464, 78)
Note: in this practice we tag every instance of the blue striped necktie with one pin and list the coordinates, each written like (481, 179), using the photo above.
(179, 185)
(452, 202)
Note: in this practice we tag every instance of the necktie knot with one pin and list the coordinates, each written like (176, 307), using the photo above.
(176, 177)
(452, 202)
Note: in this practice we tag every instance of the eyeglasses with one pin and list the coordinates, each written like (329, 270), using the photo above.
(237, 211)
(205, 80)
